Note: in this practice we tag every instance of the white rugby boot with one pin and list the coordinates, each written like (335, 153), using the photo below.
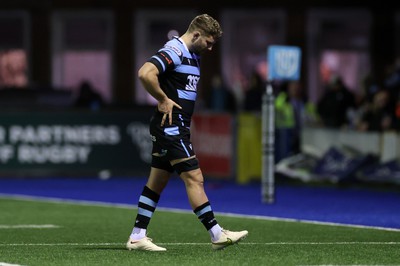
(144, 243)
(228, 238)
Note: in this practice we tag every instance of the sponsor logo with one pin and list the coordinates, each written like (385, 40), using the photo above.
(169, 61)
(175, 49)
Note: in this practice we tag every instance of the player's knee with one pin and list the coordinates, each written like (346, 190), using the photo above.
(186, 166)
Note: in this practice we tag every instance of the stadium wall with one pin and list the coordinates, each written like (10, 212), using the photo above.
(118, 144)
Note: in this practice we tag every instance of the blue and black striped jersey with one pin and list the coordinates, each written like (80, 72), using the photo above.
(179, 75)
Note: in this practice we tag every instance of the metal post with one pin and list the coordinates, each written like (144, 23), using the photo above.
(268, 142)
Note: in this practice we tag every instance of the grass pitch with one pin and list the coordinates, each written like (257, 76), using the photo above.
(35, 232)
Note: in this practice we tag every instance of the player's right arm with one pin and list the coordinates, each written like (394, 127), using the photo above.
(148, 75)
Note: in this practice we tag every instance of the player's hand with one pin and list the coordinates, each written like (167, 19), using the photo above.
(166, 107)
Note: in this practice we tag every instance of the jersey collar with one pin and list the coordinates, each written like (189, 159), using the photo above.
(184, 44)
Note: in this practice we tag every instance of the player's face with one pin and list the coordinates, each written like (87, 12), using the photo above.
(203, 43)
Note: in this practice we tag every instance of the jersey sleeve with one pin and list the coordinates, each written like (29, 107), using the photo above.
(167, 58)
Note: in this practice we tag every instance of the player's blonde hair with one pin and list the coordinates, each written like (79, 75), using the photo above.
(207, 24)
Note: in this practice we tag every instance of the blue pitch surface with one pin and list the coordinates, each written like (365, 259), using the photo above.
(354, 206)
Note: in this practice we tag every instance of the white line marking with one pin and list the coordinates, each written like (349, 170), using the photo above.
(8, 264)
(128, 206)
(201, 244)
(29, 226)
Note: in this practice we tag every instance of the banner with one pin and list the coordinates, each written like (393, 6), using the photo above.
(212, 137)
(249, 148)
(284, 62)
(338, 166)
(74, 143)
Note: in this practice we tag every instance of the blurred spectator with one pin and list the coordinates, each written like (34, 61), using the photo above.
(253, 96)
(293, 111)
(304, 111)
(393, 75)
(397, 114)
(379, 115)
(335, 104)
(363, 100)
(88, 97)
(369, 88)
(221, 97)
(392, 82)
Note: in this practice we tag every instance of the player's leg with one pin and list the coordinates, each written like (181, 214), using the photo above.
(148, 200)
(159, 176)
(194, 184)
(191, 174)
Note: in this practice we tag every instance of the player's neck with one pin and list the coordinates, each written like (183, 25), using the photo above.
(187, 40)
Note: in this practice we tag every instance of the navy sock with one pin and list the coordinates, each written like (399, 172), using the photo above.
(147, 205)
(206, 215)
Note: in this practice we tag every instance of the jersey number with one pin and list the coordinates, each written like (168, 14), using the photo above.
(192, 83)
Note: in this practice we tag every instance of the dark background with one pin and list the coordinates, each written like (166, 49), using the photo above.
(382, 48)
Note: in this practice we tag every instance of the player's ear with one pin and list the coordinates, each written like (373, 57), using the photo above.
(196, 35)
